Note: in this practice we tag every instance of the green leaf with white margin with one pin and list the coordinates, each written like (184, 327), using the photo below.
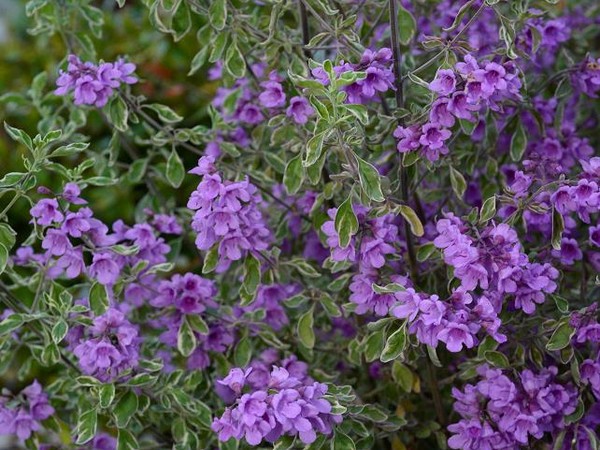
(186, 339)
(369, 180)
(98, 299)
(59, 331)
(459, 185)
(305, 328)
(346, 223)
(125, 408)
(106, 395)
(118, 113)
(3, 257)
(488, 210)
(314, 148)
(127, 441)
(395, 345)
(19, 135)
(413, 220)
(342, 441)
(175, 169)
(518, 143)
(234, 61)
(561, 337)
(558, 226)
(86, 426)
(293, 175)
(218, 14)
(165, 113)
(406, 25)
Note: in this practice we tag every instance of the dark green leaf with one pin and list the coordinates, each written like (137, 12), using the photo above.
(395, 345)
(346, 223)
(175, 170)
(561, 337)
(98, 299)
(125, 408)
(293, 175)
(86, 426)
(406, 25)
(369, 180)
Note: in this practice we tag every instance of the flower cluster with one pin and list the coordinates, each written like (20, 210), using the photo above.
(466, 89)
(21, 414)
(285, 402)
(109, 347)
(189, 294)
(368, 249)
(455, 321)
(69, 235)
(226, 213)
(587, 78)
(499, 412)
(379, 77)
(91, 84)
(494, 262)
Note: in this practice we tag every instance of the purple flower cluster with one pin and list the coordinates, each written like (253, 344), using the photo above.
(587, 78)
(454, 321)
(498, 412)
(227, 213)
(494, 262)
(21, 414)
(109, 347)
(379, 75)
(94, 84)
(189, 294)
(462, 91)
(284, 402)
(368, 249)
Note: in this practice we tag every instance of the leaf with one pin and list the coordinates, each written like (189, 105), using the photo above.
(243, 352)
(369, 180)
(293, 175)
(314, 148)
(251, 281)
(118, 113)
(374, 345)
(197, 323)
(98, 299)
(86, 426)
(425, 251)
(459, 16)
(11, 323)
(181, 21)
(406, 25)
(558, 226)
(488, 210)
(199, 60)
(459, 185)
(210, 260)
(304, 267)
(70, 149)
(127, 441)
(165, 113)
(218, 14)
(402, 375)
(496, 359)
(19, 136)
(186, 339)
(389, 288)
(234, 61)
(561, 337)
(305, 329)
(518, 143)
(125, 408)
(413, 220)
(3, 257)
(394, 345)
(342, 441)
(59, 331)
(346, 223)
(175, 170)
(106, 395)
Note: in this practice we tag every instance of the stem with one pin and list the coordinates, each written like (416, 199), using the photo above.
(435, 392)
(304, 27)
(404, 193)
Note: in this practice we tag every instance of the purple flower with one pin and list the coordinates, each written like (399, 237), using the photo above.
(299, 110)
(46, 211)
(272, 95)
(104, 268)
(56, 242)
(444, 82)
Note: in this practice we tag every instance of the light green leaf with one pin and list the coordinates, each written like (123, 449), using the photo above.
(346, 223)
(175, 170)
(305, 329)
(369, 180)
(293, 175)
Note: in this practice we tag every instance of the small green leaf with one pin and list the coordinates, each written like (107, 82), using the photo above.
(175, 170)
(496, 359)
(59, 331)
(558, 226)
(234, 61)
(11, 323)
(199, 60)
(346, 223)
(561, 337)
(406, 25)
(403, 376)
(488, 210)
(118, 113)
(127, 441)
(314, 148)
(186, 339)
(99, 301)
(305, 329)
(374, 345)
(293, 175)
(218, 14)
(19, 135)
(165, 113)
(86, 426)
(369, 180)
(243, 352)
(395, 345)
(518, 143)
(304, 267)
(3, 257)
(413, 220)
(211, 260)
(197, 323)
(125, 408)
(106, 395)
(389, 288)
(425, 251)
(342, 441)
(459, 185)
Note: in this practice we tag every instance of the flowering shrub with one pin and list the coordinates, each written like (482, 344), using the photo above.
(301, 224)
